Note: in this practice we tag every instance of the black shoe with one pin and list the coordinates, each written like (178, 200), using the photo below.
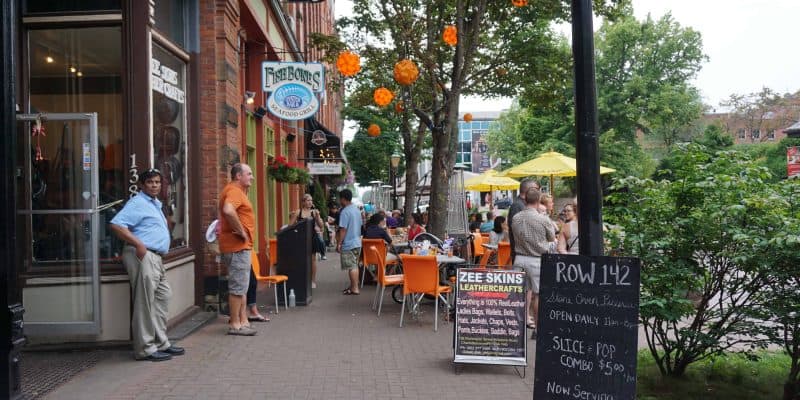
(157, 356)
(174, 351)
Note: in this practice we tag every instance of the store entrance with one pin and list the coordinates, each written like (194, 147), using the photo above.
(59, 223)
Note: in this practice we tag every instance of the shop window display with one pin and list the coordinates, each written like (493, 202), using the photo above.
(169, 139)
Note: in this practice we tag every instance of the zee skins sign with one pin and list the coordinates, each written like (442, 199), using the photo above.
(293, 87)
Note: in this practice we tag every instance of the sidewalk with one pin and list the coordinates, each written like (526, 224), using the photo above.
(336, 348)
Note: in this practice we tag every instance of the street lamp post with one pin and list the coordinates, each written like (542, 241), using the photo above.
(394, 160)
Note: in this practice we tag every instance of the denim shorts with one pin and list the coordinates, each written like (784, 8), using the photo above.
(239, 265)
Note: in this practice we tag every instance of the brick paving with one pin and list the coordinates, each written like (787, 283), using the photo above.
(336, 348)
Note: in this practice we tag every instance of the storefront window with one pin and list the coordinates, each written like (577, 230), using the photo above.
(53, 6)
(169, 138)
(170, 17)
(74, 71)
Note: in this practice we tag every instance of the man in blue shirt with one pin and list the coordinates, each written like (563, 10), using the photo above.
(143, 227)
(348, 239)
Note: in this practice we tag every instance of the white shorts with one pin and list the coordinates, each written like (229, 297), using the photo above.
(532, 266)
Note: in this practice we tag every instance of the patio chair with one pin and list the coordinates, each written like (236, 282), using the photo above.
(421, 276)
(367, 259)
(504, 255)
(383, 279)
(272, 278)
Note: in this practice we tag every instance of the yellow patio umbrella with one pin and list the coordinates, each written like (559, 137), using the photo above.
(550, 164)
(490, 181)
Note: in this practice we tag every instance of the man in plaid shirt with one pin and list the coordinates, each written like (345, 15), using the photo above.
(533, 233)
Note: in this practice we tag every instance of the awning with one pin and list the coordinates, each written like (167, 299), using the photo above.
(321, 144)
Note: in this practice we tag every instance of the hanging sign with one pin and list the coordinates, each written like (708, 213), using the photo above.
(587, 329)
(490, 317)
(274, 74)
(293, 87)
(324, 168)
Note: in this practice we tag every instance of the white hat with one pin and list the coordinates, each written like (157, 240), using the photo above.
(211, 232)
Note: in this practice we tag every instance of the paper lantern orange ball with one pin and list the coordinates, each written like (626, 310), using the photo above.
(382, 96)
(348, 63)
(406, 72)
(450, 35)
(399, 107)
(519, 3)
(467, 117)
(373, 130)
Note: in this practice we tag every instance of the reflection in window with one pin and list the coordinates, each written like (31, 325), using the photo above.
(77, 71)
(169, 139)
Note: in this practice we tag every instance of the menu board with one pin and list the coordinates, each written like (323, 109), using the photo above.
(490, 317)
(588, 324)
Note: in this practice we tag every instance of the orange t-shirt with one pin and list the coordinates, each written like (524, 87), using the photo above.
(228, 241)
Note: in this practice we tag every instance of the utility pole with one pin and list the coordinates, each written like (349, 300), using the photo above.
(590, 196)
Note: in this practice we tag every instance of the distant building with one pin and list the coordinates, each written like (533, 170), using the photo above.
(473, 152)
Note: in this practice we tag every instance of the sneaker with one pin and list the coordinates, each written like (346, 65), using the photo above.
(313, 285)
(324, 257)
(243, 331)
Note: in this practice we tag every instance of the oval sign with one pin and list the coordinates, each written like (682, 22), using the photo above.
(293, 101)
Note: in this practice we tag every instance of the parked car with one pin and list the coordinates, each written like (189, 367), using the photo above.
(503, 203)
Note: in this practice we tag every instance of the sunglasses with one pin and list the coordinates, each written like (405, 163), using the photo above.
(152, 171)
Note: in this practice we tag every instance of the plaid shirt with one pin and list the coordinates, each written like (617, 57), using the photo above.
(533, 233)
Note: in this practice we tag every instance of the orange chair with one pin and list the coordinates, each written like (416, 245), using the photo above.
(383, 279)
(421, 276)
(367, 259)
(485, 237)
(477, 246)
(504, 255)
(272, 278)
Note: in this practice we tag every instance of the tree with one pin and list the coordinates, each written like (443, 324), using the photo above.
(701, 237)
(369, 156)
(485, 60)
(643, 73)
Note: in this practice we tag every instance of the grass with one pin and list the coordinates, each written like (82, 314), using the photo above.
(729, 377)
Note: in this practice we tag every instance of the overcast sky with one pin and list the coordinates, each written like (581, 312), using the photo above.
(750, 44)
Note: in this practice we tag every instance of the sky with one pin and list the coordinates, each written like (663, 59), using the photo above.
(750, 44)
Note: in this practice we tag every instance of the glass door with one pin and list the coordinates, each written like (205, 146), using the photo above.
(58, 220)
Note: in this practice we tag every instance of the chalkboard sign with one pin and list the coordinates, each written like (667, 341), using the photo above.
(490, 317)
(588, 324)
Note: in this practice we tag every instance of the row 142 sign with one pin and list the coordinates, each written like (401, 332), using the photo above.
(292, 87)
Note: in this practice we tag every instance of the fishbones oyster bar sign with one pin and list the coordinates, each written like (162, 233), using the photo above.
(292, 87)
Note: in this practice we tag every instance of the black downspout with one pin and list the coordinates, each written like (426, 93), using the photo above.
(590, 199)
(11, 336)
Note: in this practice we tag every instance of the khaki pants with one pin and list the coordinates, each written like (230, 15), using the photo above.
(151, 293)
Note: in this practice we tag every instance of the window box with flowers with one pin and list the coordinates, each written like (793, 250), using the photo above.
(283, 171)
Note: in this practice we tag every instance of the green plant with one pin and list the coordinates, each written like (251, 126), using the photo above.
(283, 171)
(701, 237)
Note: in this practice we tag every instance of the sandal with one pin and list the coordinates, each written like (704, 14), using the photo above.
(348, 292)
(257, 318)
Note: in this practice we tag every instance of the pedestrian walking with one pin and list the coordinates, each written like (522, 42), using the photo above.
(568, 242)
(143, 227)
(236, 244)
(307, 211)
(348, 240)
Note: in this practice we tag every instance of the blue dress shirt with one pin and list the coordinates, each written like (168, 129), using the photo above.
(142, 215)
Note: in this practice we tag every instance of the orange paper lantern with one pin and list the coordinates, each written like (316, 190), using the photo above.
(450, 35)
(406, 72)
(467, 117)
(519, 3)
(348, 63)
(500, 71)
(373, 130)
(382, 96)
(399, 107)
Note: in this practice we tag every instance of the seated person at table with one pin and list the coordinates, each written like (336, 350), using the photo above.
(475, 225)
(394, 220)
(487, 226)
(499, 232)
(414, 228)
(376, 229)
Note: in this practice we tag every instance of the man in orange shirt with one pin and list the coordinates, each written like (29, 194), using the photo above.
(236, 244)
